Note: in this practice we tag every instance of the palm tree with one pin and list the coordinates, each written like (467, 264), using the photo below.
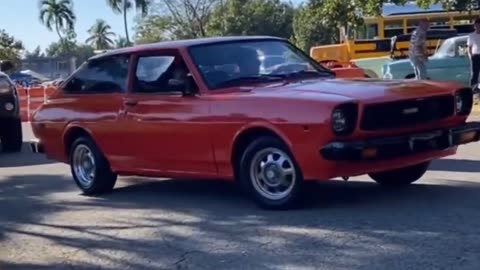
(58, 14)
(122, 42)
(100, 35)
(123, 6)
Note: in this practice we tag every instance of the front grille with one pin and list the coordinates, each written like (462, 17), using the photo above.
(407, 112)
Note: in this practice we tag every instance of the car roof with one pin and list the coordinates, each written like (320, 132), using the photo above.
(176, 44)
(458, 38)
(3, 75)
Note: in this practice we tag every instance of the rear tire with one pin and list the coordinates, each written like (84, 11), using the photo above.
(90, 169)
(400, 177)
(270, 175)
(12, 137)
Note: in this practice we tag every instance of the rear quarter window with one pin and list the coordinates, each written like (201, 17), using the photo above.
(105, 75)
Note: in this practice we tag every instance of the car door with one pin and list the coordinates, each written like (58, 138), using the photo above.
(453, 66)
(93, 99)
(169, 132)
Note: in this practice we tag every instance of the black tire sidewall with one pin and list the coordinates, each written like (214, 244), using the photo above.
(402, 176)
(11, 135)
(245, 181)
(103, 174)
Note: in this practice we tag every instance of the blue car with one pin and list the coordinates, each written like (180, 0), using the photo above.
(449, 63)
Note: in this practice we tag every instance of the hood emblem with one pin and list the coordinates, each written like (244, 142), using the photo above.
(410, 110)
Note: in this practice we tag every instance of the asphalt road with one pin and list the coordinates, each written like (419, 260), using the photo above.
(160, 224)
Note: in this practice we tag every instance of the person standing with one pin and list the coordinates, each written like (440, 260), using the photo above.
(473, 43)
(418, 50)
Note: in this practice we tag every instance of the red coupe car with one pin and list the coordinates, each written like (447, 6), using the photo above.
(205, 108)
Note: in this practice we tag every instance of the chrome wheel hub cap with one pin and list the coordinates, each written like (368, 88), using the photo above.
(273, 173)
(84, 165)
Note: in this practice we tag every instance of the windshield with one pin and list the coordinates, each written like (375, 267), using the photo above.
(247, 62)
(447, 49)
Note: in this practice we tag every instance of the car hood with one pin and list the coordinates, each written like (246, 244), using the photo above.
(405, 63)
(365, 89)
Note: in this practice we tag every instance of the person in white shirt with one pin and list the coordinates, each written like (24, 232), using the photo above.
(473, 43)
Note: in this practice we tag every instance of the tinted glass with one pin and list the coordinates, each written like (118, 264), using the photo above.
(151, 68)
(104, 75)
(222, 62)
(162, 73)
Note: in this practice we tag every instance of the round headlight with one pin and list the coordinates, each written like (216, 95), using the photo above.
(9, 106)
(339, 120)
(459, 102)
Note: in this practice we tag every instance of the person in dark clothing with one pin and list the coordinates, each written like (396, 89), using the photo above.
(473, 43)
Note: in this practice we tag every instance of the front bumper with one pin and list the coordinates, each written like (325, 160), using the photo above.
(36, 146)
(398, 146)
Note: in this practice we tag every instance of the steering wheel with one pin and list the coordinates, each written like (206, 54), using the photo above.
(288, 68)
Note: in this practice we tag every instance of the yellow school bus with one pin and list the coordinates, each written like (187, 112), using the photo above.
(374, 38)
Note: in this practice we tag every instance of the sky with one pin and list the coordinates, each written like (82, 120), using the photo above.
(21, 19)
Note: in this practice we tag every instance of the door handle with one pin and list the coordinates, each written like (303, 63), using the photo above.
(131, 102)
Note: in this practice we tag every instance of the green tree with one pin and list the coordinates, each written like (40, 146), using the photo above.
(69, 47)
(100, 35)
(10, 51)
(58, 14)
(310, 28)
(122, 42)
(35, 54)
(252, 17)
(123, 6)
(154, 28)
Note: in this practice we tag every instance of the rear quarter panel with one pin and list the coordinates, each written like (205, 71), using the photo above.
(95, 114)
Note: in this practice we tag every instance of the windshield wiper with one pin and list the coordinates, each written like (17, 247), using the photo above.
(250, 79)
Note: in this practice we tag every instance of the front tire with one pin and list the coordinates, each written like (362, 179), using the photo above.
(90, 169)
(269, 174)
(11, 135)
(400, 177)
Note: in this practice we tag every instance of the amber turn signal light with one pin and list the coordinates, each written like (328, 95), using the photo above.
(369, 153)
(468, 137)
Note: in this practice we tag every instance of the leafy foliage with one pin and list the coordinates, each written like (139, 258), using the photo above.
(35, 54)
(310, 29)
(252, 17)
(68, 48)
(100, 35)
(122, 42)
(154, 28)
(58, 14)
(10, 50)
(123, 6)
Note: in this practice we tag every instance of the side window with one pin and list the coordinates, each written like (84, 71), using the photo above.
(151, 68)
(462, 49)
(105, 75)
(162, 74)
(451, 51)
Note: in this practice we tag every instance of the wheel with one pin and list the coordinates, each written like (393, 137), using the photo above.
(270, 175)
(400, 177)
(90, 169)
(11, 137)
